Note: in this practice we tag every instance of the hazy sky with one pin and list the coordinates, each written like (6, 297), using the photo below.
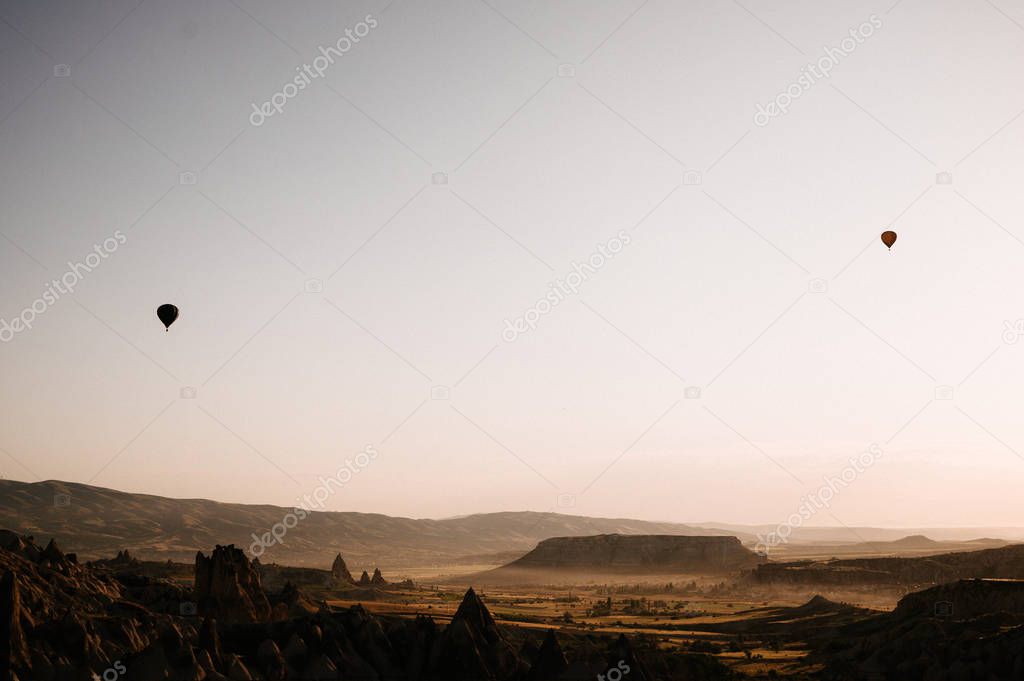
(753, 271)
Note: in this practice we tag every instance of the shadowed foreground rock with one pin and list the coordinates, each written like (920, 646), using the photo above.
(550, 661)
(228, 587)
(472, 646)
(998, 563)
(961, 631)
(13, 647)
(62, 621)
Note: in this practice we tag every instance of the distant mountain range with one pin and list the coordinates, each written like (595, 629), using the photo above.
(857, 535)
(96, 523)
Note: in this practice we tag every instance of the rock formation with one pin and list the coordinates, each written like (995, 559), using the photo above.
(638, 553)
(13, 648)
(472, 646)
(969, 629)
(364, 579)
(340, 571)
(550, 661)
(378, 578)
(228, 588)
(999, 563)
(965, 599)
(62, 621)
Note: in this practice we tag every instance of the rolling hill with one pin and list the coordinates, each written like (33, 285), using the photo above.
(98, 522)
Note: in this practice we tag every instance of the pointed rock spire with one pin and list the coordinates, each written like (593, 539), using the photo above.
(550, 662)
(340, 571)
(473, 612)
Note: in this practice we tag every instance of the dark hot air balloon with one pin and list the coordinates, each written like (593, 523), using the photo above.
(167, 314)
(888, 238)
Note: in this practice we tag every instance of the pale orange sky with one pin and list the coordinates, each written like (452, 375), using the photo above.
(337, 291)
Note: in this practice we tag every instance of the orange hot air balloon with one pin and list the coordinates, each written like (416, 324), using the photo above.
(888, 238)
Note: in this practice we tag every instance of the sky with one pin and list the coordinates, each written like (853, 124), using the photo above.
(609, 258)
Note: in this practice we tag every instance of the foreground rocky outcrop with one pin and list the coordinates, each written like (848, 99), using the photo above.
(227, 586)
(473, 647)
(962, 631)
(61, 621)
(64, 621)
(638, 553)
(550, 660)
(965, 599)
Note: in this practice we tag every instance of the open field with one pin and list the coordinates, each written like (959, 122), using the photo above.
(678, 620)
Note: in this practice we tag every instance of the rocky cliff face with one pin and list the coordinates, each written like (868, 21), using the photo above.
(639, 553)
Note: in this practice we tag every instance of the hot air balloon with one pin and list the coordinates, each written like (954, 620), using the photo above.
(888, 238)
(167, 313)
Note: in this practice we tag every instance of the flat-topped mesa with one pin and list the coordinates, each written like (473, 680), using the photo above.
(643, 552)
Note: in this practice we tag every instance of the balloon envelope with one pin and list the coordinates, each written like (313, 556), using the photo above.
(167, 313)
(888, 238)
